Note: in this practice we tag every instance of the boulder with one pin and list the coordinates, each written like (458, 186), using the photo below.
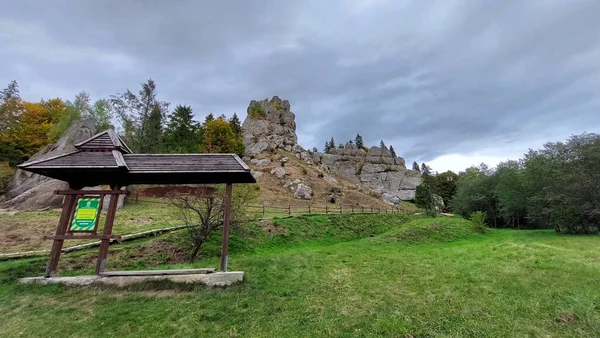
(260, 163)
(303, 192)
(279, 172)
(390, 199)
(284, 160)
(330, 179)
(256, 173)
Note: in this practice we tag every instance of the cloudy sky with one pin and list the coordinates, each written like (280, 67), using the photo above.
(449, 82)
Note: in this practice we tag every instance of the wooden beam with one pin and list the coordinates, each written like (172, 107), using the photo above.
(107, 231)
(83, 237)
(91, 192)
(226, 221)
(158, 272)
(61, 229)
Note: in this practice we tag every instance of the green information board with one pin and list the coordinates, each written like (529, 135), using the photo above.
(85, 218)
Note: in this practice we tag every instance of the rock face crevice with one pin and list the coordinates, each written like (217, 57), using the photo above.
(275, 128)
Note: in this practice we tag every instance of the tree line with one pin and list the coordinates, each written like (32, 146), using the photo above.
(557, 186)
(146, 124)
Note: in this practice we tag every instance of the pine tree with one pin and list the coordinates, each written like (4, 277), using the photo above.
(359, 141)
(393, 152)
(181, 133)
(326, 149)
(415, 166)
(332, 143)
(381, 145)
(210, 117)
(153, 132)
(236, 125)
(425, 169)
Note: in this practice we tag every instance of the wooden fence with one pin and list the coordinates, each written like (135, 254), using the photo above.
(266, 210)
(290, 210)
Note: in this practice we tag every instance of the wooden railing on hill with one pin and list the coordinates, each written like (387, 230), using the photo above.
(290, 210)
(267, 210)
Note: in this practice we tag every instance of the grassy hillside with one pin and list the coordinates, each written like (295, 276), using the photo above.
(344, 275)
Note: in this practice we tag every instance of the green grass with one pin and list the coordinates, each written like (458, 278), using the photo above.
(341, 276)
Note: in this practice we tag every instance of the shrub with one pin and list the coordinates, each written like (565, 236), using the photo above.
(256, 111)
(478, 219)
(304, 171)
(359, 168)
(332, 200)
(320, 175)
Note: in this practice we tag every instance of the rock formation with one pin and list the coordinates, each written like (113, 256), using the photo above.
(377, 169)
(269, 125)
(28, 191)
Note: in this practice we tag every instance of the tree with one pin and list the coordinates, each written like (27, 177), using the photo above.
(425, 195)
(381, 145)
(11, 106)
(210, 117)
(326, 148)
(101, 114)
(415, 166)
(80, 107)
(140, 129)
(445, 185)
(510, 192)
(331, 145)
(181, 134)
(359, 141)
(393, 152)
(153, 131)
(475, 192)
(425, 169)
(218, 137)
(236, 125)
(204, 215)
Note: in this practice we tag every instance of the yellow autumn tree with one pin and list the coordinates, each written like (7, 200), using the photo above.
(219, 137)
(30, 133)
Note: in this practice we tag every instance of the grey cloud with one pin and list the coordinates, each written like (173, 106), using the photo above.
(431, 78)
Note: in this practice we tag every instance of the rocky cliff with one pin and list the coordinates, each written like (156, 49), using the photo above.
(269, 125)
(273, 126)
(376, 168)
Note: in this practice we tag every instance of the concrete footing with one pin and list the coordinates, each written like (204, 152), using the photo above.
(208, 279)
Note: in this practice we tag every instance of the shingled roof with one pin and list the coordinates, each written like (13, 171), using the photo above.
(106, 159)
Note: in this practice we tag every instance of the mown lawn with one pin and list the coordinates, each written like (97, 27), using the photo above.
(424, 278)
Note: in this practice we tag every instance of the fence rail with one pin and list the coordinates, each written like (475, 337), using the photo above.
(267, 210)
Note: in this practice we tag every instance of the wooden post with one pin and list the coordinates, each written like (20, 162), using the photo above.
(263, 210)
(107, 231)
(352, 208)
(371, 209)
(362, 209)
(226, 220)
(309, 209)
(326, 209)
(67, 210)
(340, 209)
(289, 210)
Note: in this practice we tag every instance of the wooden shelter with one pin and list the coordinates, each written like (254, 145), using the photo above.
(104, 159)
